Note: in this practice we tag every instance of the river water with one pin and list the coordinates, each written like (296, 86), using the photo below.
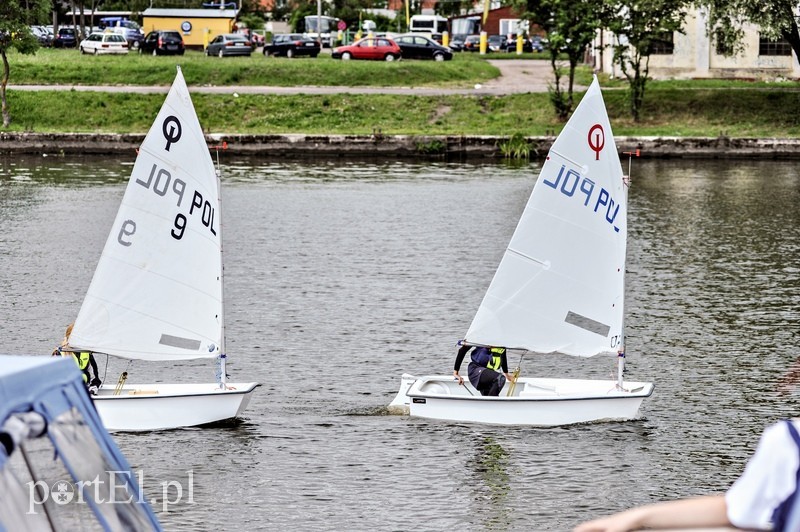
(342, 275)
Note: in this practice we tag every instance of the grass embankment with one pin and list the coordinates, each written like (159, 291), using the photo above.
(51, 66)
(675, 108)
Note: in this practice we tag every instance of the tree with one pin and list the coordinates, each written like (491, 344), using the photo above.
(301, 10)
(637, 25)
(136, 6)
(448, 8)
(776, 19)
(16, 16)
(570, 25)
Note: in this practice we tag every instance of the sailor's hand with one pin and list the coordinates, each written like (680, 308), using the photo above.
(459, 378)
(509, 377)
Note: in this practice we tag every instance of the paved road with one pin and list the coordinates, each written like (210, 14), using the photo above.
(516, 76)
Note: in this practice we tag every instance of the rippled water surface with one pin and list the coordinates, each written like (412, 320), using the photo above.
(341, 276)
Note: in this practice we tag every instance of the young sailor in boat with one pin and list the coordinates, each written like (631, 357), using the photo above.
(765, 497)
(483, 368)
(84, 359)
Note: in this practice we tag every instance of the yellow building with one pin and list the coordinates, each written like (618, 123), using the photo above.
(197, 26)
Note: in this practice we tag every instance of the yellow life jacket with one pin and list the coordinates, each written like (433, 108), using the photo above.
(82, 359)
(494, 363)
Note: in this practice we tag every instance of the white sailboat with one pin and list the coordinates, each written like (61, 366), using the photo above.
(559, 288)
(156, 294)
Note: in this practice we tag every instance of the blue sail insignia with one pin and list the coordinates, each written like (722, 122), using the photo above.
(569, 181)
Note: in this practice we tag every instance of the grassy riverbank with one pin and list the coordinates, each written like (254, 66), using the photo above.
(674, 108)
(672, 112)
(59, 66)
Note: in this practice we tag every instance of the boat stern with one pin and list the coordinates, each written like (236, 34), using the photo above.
(401, 403)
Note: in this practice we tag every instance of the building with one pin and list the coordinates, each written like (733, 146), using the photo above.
(499, 21)
(197, 26)
(692, 54)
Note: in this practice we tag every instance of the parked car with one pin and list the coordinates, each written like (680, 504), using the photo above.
(65, 38)
(162, 42)
(379, 48)
(130, 30)
(457, 43)
(419, 47)
(496, 43)
(229, 44)
(292, 44)
(536, 44)
(255, 38)
(104, 43)
(511, 45)
(43, 35)
(472, 43)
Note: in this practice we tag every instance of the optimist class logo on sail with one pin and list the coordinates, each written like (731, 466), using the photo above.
(161, 182)
(572, 184)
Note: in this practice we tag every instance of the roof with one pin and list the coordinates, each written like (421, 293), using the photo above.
(190, 13)
(24, 380)
(52, 387)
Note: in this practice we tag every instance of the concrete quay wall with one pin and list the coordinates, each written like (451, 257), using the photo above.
(403, 146)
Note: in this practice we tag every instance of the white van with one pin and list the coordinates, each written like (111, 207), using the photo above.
(430, 24)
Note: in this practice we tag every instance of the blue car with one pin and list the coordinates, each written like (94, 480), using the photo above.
(65, 38)
(131, 31)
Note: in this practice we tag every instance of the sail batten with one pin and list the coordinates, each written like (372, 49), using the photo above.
(528, 257)
(157, 290)
(560, 284)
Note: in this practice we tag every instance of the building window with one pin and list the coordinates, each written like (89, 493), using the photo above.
(773, 46)
(662, 44)
(513, 26)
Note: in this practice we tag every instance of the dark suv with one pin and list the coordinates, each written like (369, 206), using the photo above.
(66, 38)
(162, 42)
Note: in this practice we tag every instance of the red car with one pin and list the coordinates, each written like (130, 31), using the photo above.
(379, 48)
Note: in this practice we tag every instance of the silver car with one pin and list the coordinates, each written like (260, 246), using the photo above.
(229, 44)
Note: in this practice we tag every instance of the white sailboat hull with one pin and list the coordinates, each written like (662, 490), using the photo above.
(539, 402)
(142, 407)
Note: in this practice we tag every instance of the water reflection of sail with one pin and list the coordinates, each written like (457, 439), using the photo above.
(492, 483)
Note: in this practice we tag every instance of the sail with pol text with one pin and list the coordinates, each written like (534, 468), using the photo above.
(157, 290)
(560, 284)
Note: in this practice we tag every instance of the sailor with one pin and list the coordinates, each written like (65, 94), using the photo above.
(84, 359)
(483, 369)
(765, 497)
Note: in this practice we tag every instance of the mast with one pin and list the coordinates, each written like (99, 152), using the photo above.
(626, 181)
(223, 356)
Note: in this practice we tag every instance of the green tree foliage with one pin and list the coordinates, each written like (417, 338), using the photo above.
(448, 8)
(135, 6)
(570, 25)
(349, 11)
(254, 21)
(637, 25)
(16, 17)
(775, 18)
(301, 10)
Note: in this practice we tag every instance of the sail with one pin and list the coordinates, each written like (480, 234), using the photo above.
(157, 291)
(560, 284)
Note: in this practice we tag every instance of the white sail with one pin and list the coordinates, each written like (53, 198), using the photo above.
(559, 286)
(157, 291)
